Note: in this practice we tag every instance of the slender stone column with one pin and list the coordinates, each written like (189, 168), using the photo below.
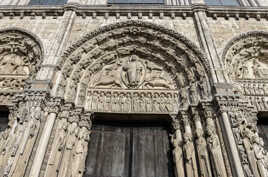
(52, 109)
(229, 137)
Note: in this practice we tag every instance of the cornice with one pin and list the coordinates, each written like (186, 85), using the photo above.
(135, 10)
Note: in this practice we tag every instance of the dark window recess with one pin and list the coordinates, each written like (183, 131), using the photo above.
(263, 129)
(3, 119)
(129, 150)
(48, 2)
(135, 1)
(222, 2)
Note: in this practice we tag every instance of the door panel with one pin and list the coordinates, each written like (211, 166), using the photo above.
(129, 150)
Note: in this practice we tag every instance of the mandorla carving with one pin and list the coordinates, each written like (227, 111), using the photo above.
(132, 73)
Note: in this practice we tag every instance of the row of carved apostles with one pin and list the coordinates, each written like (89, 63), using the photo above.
(135, 101)
(251, 88)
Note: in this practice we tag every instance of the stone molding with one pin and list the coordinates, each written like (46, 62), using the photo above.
(120, 11)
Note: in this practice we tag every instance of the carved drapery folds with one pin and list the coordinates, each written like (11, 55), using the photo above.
(249, 143)
(69, 148)
(245, 59)
(197, 150)
(18, 140)
(247, 56)
(20, 57)
(132, 57)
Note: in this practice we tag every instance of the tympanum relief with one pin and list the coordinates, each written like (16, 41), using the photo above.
(248, 61)
(19, 56)
(131, 84)
(132, 73)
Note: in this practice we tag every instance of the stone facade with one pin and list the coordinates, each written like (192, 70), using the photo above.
(205, 67)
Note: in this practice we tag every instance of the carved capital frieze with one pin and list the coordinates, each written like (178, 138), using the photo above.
(53, 105)
(85, 120)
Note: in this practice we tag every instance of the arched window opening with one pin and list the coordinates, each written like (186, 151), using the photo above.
(262, 125)
(4, 113)
(129, 148)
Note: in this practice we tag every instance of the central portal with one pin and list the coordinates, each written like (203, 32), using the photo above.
(122, 148)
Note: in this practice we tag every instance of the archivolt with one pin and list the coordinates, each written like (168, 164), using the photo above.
(19, 50)
(243, 49)
(179, 57)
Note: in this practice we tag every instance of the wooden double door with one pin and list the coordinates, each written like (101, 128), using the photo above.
(129, 149)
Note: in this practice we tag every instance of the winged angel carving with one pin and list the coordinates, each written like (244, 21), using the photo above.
(132, 73)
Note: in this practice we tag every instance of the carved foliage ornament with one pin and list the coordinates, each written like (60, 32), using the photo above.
(20, 55)
(247, 57)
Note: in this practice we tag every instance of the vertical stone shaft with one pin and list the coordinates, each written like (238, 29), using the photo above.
(41, 149)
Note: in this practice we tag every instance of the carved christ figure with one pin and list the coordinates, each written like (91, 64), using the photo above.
(133, 71)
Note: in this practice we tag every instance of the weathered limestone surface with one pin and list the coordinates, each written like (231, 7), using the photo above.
(206, 68)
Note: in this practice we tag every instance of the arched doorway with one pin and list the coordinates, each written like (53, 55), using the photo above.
(133, 68)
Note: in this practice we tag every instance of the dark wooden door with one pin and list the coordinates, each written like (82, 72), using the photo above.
(129, 150)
